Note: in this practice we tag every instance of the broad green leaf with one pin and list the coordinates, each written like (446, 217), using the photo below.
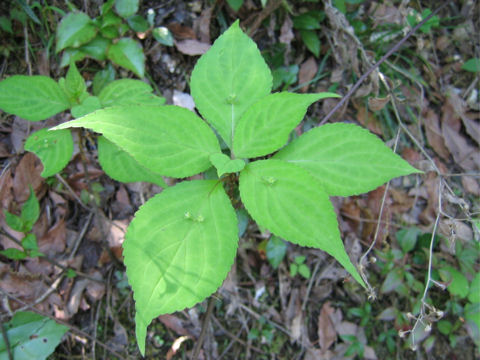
(13, 221)
(311, 40)
(474, 293)
(291, 203)
(120, 166)
(71, 54)
(308, 21)
(128, 92)
(472, 65)
(225, 165)
(266, 125)
(345, 158)
(178, 249)
(88, 105)
(228, 79)
(126, 8)
(97, 48)
(168, 140)
(31, 336)
(6, 24)
(472, 317)
(54, 148)
(13, 254)
(458, 283)
(128, 53)
(407, 238)
(163, 35)
(29, 242)
(235, 4)
(74, 83)
(286, 75)
(138, 23)
(74, 30)
(30, 211)
(32, 98)
(393, 280)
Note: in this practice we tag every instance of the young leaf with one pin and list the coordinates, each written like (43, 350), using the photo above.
(225, 165)
(266, 125)
(129, 92)
(96, 48)
(13, 254)
(30, 211)
(311, 41)
(54, 148)
(177, 143)
(29, 242)
(119, 165)
(289, 202)
(178, 249)
(32, 98)
(31, 336)
(227, 79)
(102, 79)
(128, 53)
(13, 221)
(126, 8)
(345, 158)
(74, 82)
(88, 105)
(74, 30)
(276, 250)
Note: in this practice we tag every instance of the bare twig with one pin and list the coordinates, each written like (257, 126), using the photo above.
(203, 332)
(378, 63)
(7, 343)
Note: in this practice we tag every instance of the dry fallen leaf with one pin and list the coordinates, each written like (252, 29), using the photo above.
(27, 173)
(434, 134)
(201, 25)
(307, 72)
(377, 104)
(326, 331)
(192, 47)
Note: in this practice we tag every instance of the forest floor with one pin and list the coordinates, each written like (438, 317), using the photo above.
(423, 101)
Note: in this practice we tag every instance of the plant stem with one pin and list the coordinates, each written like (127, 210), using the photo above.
(206, 319)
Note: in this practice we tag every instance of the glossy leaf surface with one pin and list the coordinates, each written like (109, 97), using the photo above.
(54, 149)
(345, 158)
(177, 144)
(227, 79)
(32, 98)
(178, 249)
(266, 125)
(290, 202)
(74, 30)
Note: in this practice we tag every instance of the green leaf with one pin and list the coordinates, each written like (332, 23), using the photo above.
(6, 24)
(458, 283)
(74, 30)
(444, 326)
(31, 336)
(266, 125)
(304, 271)
(13, 221)
(128, 53)
(54, 148)
(120, 166)
(311, 40)
(472, 317)
(29, 242)
(290, 203)
(286, 75)
(126, 8)
(102, 79)
(12, 254)
(178, 249)
(177, 143)
(163, 35)
(128, 92)
(88, 105)
(307, 21)
(32, 98)
(472, 65)
(474, 294)
(407, 238)
(225, 165)
(30, 211)
(97, 48)
(70, 55)
(228, 79)
(276, 250)
(235, 4)
(74, 82)
(393, 280)
(138, 23)
(345, 158)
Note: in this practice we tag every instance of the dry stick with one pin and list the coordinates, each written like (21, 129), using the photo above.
(62, 322)
(377, 64)
(201, 338)
(7, 343)
(235, 337)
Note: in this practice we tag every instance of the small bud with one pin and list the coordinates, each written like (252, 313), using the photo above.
(414, 347)
(188, 215)
(410, 315)
(200, 218)
(428, 328)
(401, 334)
(439, 313)
(373, 259)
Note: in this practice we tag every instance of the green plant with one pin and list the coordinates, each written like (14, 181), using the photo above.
(30, 336)
(104, 38)
(24, 224)
(298, 266)
(35, 98)
(182, 242)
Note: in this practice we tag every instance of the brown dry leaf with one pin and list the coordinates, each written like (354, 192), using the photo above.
(434, 134)
(377, 104)
(192, 47)
(181, 32)
(367, 119)
(385, 14)
(95, 289)
(326, 331)
(27, 173)
(201, 25)
(465, 155)
(175, 324)
(472, 127)
(53, 242)
(471, 185)
(316, 354)
(307, 72)
(286, 33)
(4, 151)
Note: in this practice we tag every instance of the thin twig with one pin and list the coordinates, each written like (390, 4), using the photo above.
(235, 337)
(203, 332)
(379, 62)
(70, 190)
(7, 343)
